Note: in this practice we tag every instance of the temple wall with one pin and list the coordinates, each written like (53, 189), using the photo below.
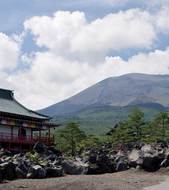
(6, 129)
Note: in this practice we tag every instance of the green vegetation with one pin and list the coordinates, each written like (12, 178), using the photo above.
(69, 137)
(72, 139)
(99, 120)
(137, 129)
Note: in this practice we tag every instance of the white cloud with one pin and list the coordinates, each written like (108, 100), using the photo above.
(53, 78)
(128, 29)
(74, 44)
(9, 53)
(70, 34)
(156, 62)
(161, 20)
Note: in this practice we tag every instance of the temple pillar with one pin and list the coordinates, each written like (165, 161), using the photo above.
(48, 134)
(39, 134)
(12, 132)
(31, 134)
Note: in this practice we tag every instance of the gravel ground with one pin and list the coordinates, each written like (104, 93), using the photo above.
(128, 180)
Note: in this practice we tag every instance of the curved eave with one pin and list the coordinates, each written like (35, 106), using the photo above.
(4, 114)
(31, 111)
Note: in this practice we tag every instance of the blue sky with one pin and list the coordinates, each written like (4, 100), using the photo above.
(52, 49)
(13, 13)
(20, 10)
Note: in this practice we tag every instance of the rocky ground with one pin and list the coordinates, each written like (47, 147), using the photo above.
(127, 180)
(127, 166)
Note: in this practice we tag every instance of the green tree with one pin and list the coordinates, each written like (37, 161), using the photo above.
(69, 138)
(130, 130)
(90, 141)
(122, 133)
(150, 133)
(161, 122)
(136, 122)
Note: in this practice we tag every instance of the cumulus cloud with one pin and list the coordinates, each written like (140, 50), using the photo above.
(53, 78)
(9, 53)
(156, 62)
(73, 44)
(70, 34)
(161, 20)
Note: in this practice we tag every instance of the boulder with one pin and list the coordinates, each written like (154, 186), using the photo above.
(20, 173)
(53, 150)
(148, 149)
(165, 163)
(54, 172)
(167, 153)
(133, 145)
(40, 148)
(1, 178)
(135, 158)
(93, 169)
(92, 157)
(8, 170)
(36, 172)
(151, 163)
(51, 157)
(121, 166)
(101, 161)
(105, 164)
(74, 167)
(22, 169)
(162, 144)
(152, 158)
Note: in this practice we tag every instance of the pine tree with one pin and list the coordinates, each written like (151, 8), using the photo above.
(161, 121)
(136, 122)
(69, 137)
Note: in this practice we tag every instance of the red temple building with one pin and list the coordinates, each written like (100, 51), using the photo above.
(21, 128)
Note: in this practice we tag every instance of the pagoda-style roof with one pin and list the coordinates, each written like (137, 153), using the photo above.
(9, 105)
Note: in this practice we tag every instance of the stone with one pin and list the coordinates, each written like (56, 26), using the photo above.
(105, 165)
(54, 172)
(165, 163)
(135, 158)
(55, 151)
(20, 173)
(152, 157)
(22, 169)
(151, 163)
(1, 178)
(93, 169)
(121, 166)
(148, 149)
(40, 148)
(8, 170)
(74, 167)
(92, 157)
(36, 172)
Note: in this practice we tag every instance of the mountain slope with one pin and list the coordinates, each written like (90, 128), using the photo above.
(99, 120)
(126, 90)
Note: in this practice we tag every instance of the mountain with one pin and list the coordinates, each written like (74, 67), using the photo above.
(130, 89)
(114, 97)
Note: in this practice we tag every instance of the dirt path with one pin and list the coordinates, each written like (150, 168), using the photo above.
(128, 180)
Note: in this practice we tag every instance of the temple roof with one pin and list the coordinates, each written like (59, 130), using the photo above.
(9, 105)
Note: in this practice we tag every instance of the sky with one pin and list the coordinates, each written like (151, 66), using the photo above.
(52, 49)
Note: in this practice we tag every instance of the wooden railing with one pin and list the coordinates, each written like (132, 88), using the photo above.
(6, 137)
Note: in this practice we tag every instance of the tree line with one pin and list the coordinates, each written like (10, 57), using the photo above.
(72, 139)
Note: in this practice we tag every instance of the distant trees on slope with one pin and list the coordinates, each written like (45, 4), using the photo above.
(72, 139)
(135, 128)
